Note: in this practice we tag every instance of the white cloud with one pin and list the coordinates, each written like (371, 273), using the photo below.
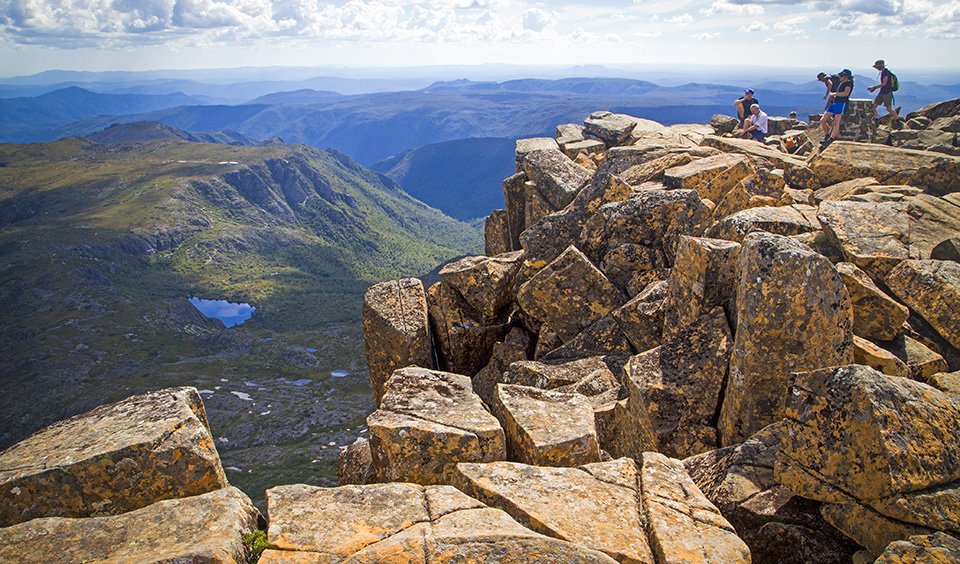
(754, 26)
(705, 36)
(537, 20)
(682, 19)
(723, 7)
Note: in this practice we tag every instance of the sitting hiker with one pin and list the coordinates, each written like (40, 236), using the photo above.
(885, 96)
(743, 105)
(758, 124)
(831, 81)
(837, 107)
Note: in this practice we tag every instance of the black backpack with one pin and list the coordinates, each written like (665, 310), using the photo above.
(835, 82)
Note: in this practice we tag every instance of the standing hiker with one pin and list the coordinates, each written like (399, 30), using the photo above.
(888, 83)
(837, 107)
(743, 104)
(831, 81)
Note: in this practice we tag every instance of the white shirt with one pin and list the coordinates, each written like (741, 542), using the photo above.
(760, 120)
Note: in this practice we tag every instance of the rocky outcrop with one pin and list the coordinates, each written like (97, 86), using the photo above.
(202, 528)
(793, 313)
(932, 289)
(875, 314)
(486, 283)
(936, 173)
(396, 330)
(111, 460)
(427, 421)
(935, 549)
(388, 522)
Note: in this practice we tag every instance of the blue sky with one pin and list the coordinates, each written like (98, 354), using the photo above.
(156, 34)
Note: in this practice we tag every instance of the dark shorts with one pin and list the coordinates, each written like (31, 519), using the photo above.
(883, 99)
(837, 108)
(757, 134)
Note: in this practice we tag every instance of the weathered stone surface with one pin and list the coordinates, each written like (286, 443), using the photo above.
(795, 169)
(427, 421)
(652, 218)
(938, 548)
(936, 173)
(641, 320)
(526, 146)
(485, 282)
(873, 236)
(603, 337)
(683, 525)
(948, 249)
(674, 389)
(515, 206)
(514, 348)
(113, 459)
(840, 190)
(781, 220)
(464, 342)
(496, 233)
(402, 523)
(764, 187)
(723, 124)
(948, 382)
(897, 433)
(558, 178)
(793, 313)
(869, 354)
(591, 374)
(711, 177)
(936, 508)
(200, 528)
(920, 360)
(653, 170)
(568, 294)
(396, 330)
(588, 146)
(569, 133)
(875, 314)
(704, 275)
(355, 463)
(613, 129)
(932, 289)
(868, 528)
(621, 264)
(546, 427)
(777, 525)
(595, 506)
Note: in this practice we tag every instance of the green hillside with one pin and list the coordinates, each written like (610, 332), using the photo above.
(100, 246)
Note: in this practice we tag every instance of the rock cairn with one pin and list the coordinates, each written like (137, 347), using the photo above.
(679, 347)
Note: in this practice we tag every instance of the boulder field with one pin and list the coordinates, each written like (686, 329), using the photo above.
(680, 347)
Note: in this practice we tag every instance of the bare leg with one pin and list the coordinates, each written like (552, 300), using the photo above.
(740, 113)
(825, 123)
(836, 125)
(893, 112)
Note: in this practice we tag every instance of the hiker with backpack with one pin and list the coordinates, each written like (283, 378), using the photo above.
(831, 81)
(888, 85)
(743, 104)
(838, 105)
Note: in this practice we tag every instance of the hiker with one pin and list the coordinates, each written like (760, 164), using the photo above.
(743, 104)
(758, 124)
(831, 81)
(838, 105)
(885, 96)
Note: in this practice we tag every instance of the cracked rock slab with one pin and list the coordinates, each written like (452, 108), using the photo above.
(401, 522)
(683, 525)
(938, 548)
(711, 177)
(427, 421)
(596, 506)
(875, 314)
(202, 528)
(113, 459)
(547, 427)
(873, 236)
(932, 289)
(486, 283)
(395, 329)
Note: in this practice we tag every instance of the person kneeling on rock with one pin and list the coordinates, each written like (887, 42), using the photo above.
(758, 124)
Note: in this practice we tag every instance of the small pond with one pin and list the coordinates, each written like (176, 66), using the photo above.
(228, 312)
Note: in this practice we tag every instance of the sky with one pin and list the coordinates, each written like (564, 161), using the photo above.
(99, 35)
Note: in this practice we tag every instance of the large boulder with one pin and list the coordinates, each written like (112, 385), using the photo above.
(641, 318)
(496, 233)
(674, 389)
(795, 219)
(711, 177)
(355, 463)
(463, 340)
(597, 506)
(793, 314)
(515, 207)
(795, 169)
(515, 347)
(932, 289)
(897, 433)
(613, 129)
(778, 526)
(590, 376)
(530, 144)
(934, 172)
(704, 275)
(938, 548)
(396, 330)
(875, 314)
(921, 361)
(486, 283)
(653, 218)
(547, 427)
(557, 177)
(401, 522)
(868, 528)
(869, 354)
(764, 187)
(427, 421)
(568, 294)
(113, 459)
(202, 528)
(873, 236)
(683, 525)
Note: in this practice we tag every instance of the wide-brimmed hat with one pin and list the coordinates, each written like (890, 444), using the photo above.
(879, 64)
